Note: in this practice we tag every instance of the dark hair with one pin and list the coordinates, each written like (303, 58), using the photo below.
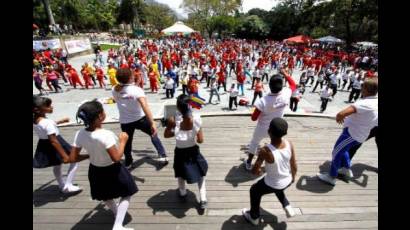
(183, 104)
(276, 83)
(89, 112)
(123, 75)
(278, 127)
(39, 102)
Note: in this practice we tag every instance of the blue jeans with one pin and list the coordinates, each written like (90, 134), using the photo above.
(340, 154)
(240, 86)
(144, 125)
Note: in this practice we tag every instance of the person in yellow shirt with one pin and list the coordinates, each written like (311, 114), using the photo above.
(112, 72)
(91, 71)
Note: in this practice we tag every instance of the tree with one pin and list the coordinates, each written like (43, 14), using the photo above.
(252, 27)
(130, 11)
(159, 15)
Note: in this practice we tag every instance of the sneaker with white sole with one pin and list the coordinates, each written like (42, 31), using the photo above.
(163, 159)
(346, 172)
(289, 211)
(247, 216)
(248, 166)
(327, 178)
(71, 189)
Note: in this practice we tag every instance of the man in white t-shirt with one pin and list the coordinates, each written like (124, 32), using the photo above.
(361, 117)
(268, 107)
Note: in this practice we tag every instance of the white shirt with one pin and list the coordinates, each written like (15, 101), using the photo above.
(278, 174)
(326, 92)
(310, 72)
(357, 84)
(96, 143)
(333, 79)
(127, 103)
(186, 138)
(233, 92)
(366, 117)
(271, 106)
(169, 84)
(46, 127)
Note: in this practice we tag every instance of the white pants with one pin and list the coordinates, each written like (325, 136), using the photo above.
(258, 135)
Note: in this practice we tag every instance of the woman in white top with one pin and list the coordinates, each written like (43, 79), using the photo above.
(135, 114)
(189, 164)
(280, 167)
(52, 149)
(325, 95)
(108, 178)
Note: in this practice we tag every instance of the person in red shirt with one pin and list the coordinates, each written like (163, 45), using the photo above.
(221, 78)
(241, 80)
(86, 77)
(193, 85)
(124, 65)
(258, 90)
(153, 80)
(100, 76)
(139, 79)
(291, 64)
(75, 78)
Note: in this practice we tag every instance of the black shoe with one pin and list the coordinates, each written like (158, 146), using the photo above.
(203, 204)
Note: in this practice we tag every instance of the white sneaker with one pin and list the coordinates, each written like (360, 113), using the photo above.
(71, 189)
(247, 216)
(289, 211)
(346, 172)
(326, 178)
(248, 166)
(163, 159)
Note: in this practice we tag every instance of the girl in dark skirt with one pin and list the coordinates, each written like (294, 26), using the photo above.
(109, 179)
(189, 164)
(52, 149)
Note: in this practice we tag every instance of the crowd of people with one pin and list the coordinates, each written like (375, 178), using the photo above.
(188, 62)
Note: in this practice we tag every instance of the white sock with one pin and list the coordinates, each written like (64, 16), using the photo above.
(71, 173)
(121, 211)
(58, 175)
(181, 186)
(202, 189)
(112, 205)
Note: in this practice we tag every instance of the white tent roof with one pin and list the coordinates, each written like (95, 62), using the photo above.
(178, 27)
(330, 39)
(367, 44)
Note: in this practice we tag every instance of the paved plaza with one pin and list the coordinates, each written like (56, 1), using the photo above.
(66, 103)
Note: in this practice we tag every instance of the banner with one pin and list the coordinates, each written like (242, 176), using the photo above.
(45, 44)
(75, 46)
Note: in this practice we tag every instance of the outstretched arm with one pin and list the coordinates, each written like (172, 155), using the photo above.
(290, 80)
(255, 114)
(344, 113)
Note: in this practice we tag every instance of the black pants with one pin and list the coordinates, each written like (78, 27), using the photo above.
(344, 84)
(223, 83)
(93, 78)
(233, 100)
(177, 80)
(208, 81)
(317, 83)
(324, 104)
(255, 94)
(334, 89)
(373, 133)
(253, 82)
(144, 125)
(169, 92)
(294, 104)
(350, 85)
(311, 78)
(260, 189)
(263, 77)
(55, 85)
(355, 93)
(185, 89)
(204, 76)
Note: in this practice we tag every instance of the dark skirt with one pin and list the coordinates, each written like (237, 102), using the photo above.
(189, 164)
(111, 182)
(46, 155)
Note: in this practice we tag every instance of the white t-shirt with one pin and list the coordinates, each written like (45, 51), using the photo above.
(127, 103)
(333, 79)
(169, 84)
(271, 106)
(366, 117)
(186, 138)
(326, 92)
(233, 92)
(278, 174)
(46, 127)
(96, 143)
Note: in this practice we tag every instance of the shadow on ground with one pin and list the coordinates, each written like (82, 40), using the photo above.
(168, 201)
(267, 219)
(100, 218)
(238, 174)
(49, 194)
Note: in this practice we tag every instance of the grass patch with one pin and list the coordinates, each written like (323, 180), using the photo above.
(108, 46)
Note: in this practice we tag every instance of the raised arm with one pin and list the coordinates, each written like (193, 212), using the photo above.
(116, 153)
(289, 79)
(344, 113)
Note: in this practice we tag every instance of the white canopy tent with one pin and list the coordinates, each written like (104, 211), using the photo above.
(178, 27)
(330, 39)
(367, 44)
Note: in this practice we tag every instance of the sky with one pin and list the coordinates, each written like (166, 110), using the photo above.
(246, 5)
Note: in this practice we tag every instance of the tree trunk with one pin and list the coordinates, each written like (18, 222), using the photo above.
(49, 12)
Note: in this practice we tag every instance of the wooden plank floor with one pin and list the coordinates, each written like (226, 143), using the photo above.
(349, 205)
